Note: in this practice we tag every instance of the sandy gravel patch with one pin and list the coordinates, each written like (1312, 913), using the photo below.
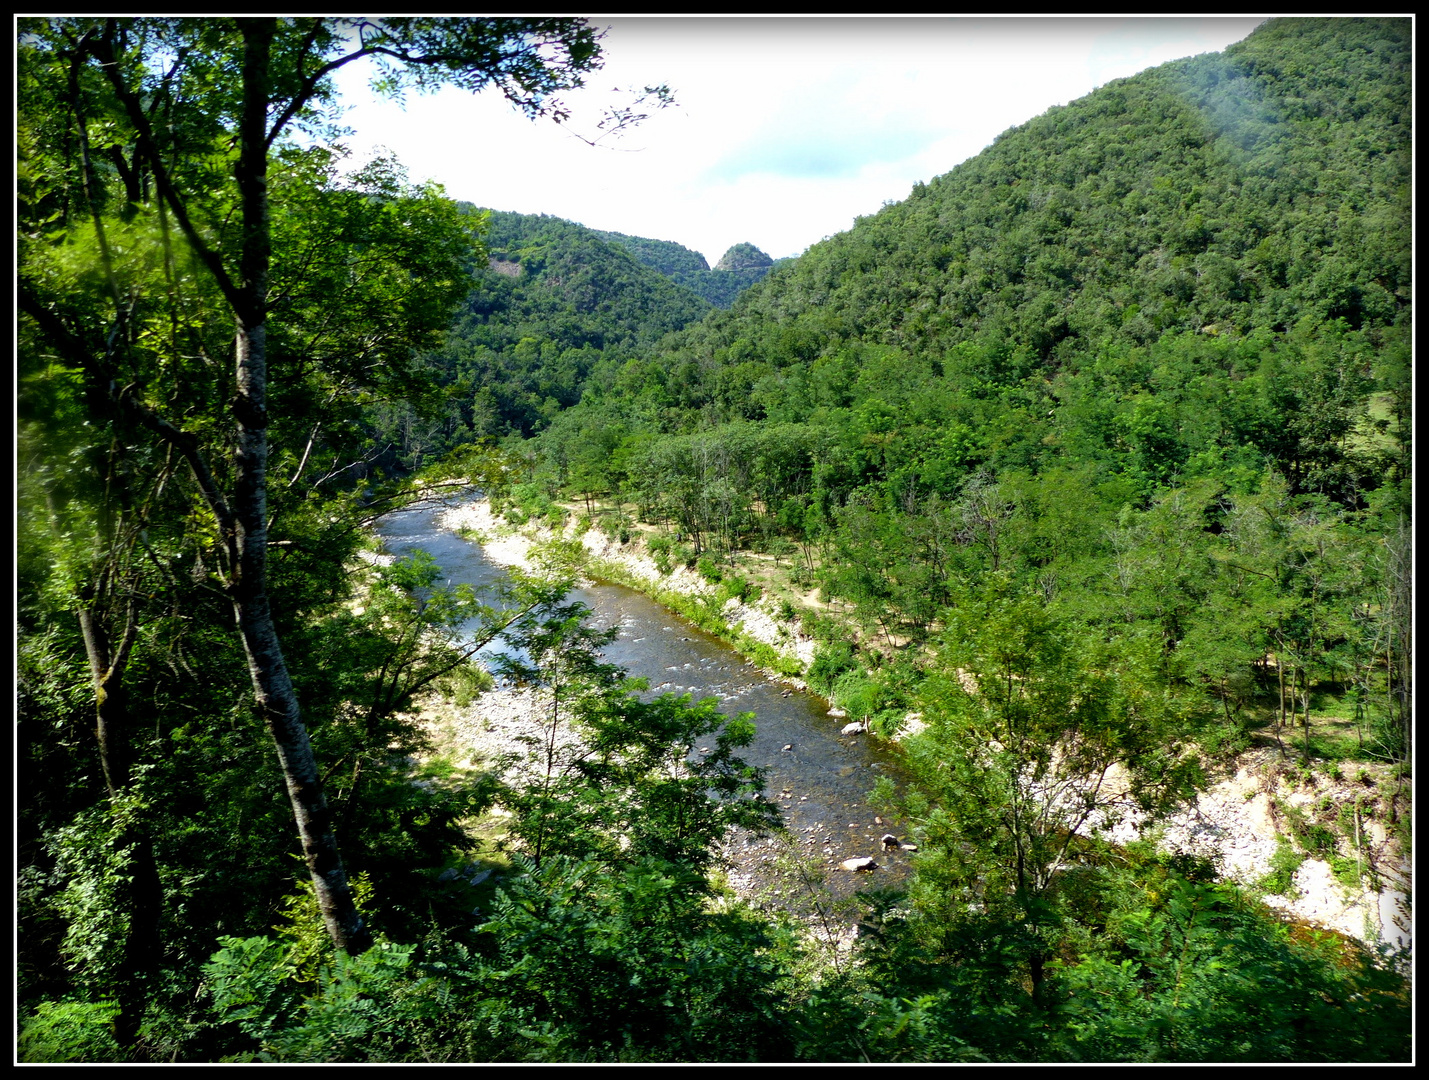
(501, 542)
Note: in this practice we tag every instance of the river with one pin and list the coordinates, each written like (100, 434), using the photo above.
(819, 778)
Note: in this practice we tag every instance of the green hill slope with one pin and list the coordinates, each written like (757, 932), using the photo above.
(1257, 190)
(1195, 280)
(555, 299)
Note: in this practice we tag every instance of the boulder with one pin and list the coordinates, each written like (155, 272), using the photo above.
(861, 864)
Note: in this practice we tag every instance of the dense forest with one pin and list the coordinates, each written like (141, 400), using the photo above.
(1096, 451)
(555, 301)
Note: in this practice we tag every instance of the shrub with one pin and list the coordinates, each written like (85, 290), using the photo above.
(823, 629)
(70, 1031)
(1347, 870)
(1283, 865)
(855, 692)
(466, 683)
(830, 662)
(738, 588)
(659, 548)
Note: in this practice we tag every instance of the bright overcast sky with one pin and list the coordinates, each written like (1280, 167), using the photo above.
(786, 129)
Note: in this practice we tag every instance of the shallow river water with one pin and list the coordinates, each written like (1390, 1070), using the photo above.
(819, 778)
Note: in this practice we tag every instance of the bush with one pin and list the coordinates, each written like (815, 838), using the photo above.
(659, 547)
(466, 683)
(529, 502)
(737, 588)
(830, 662)
(1283, 865)
(1319, 840)
(70, 1031)
(353, 1011)
(823, 629)
(858, 694)
(1347, 870)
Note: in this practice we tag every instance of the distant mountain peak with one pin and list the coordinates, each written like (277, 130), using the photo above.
(743, 257)
(741, 267)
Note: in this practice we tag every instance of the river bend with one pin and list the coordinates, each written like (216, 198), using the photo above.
(818, 777)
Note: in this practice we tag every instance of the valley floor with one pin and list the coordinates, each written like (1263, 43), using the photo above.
(1239, 820)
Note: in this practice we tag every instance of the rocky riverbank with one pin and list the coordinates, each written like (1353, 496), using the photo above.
(739, 622)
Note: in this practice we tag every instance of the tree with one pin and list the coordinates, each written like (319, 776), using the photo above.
(191, 114)
(603, 941)
(614, 777)
(1037, 735)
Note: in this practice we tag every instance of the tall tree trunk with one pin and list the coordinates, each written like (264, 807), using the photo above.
(272, 685)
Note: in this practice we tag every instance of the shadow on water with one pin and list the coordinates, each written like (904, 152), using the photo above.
(819, 778)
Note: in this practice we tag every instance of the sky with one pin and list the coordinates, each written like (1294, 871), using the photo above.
(785, 129)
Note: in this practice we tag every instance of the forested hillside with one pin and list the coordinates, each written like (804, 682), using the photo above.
(554, 299)
(1264, 189)
(1088, 466)
(1192, 275)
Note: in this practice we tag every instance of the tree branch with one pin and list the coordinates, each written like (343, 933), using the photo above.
(186, 443)
(103, 50)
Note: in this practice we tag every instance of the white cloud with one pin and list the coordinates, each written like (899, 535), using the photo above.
(787, 129)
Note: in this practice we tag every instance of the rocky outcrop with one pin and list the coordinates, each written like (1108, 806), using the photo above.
(1242, 820)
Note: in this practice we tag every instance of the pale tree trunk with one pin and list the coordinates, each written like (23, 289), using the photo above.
(272, 685)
